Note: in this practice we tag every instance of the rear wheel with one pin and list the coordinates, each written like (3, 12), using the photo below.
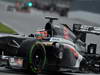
(83, 66)
(96, 65)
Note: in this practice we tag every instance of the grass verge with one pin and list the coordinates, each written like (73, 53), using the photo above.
(5, 29)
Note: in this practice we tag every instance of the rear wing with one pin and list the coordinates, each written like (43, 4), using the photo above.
(86, 29)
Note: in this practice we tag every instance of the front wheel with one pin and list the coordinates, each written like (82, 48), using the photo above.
(34, 54)
(37, 57)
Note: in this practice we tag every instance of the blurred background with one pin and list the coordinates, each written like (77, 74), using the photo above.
(81, 9)
(61, 6)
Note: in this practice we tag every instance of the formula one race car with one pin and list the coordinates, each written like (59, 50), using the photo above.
(57, 48)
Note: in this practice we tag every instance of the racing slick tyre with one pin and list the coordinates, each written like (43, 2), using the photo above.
(83, 66)
(95, 65)
(35, 56)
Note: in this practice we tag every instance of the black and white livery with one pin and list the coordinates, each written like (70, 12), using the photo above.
(56, 48)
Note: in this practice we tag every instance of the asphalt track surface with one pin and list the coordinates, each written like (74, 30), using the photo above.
(26, 23)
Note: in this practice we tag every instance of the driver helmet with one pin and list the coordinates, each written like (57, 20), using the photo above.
(41, 34)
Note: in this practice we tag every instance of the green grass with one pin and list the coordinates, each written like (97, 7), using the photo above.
(5, 29)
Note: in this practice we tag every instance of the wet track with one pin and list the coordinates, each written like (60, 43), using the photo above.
(26, 23)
